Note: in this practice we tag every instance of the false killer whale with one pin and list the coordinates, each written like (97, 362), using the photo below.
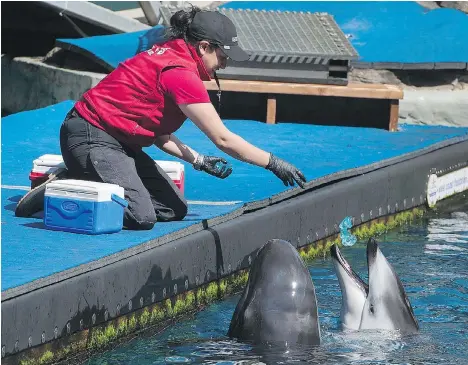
(278, 305)
(383, 304)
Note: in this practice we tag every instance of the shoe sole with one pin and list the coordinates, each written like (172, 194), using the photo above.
(33, 201)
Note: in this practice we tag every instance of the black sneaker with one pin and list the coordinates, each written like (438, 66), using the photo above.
(33, 201)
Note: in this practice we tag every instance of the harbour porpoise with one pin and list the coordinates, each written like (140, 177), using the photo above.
(278, 305)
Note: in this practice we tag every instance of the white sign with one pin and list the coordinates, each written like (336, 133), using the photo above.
(157, 51)
(441, 187)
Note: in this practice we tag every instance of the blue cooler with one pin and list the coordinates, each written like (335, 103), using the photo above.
(84, 206)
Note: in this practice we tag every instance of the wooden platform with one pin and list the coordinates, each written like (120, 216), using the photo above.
(391, 93)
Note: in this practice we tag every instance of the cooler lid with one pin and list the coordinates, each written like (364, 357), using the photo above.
(49, 160)
(65, 187)
(170, 166)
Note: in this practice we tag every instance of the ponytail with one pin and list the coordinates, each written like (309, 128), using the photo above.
(180, 24)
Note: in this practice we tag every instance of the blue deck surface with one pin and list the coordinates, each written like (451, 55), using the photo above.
(381, 31)
(29, 251)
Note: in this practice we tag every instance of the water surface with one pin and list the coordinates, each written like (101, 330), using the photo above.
(431, 258)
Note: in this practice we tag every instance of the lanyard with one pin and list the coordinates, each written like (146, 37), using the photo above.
(218, 93)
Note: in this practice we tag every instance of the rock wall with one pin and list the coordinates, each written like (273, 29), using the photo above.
(460, 5)
(28, 84)
(435, 97)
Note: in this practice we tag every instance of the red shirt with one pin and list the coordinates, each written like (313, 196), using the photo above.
(138, 101)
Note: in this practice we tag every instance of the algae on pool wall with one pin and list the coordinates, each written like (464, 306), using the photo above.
(159, 315)
(152, 317)
(364, 231)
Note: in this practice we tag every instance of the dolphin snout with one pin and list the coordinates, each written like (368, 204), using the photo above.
(372, 248)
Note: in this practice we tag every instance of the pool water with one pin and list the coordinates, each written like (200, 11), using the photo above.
(431, 258)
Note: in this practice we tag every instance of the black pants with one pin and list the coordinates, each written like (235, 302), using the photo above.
(91, 154)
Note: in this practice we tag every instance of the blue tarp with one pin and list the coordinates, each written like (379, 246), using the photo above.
(109, 50)
(29, 251)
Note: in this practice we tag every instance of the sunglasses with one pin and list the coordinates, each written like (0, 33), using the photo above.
(217, 46)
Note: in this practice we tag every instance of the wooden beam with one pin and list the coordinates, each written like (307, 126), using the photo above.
(152, 11)
(394, 112)
(370, 91)
(97, 15)
(271, 109)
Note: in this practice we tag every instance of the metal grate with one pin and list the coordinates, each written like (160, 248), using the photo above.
(301, 35)
(271, 36)
(286, 46)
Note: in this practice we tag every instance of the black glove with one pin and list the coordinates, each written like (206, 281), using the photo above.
(286, 172)
(216, 166)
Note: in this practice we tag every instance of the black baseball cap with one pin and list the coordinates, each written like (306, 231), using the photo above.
(218, 29)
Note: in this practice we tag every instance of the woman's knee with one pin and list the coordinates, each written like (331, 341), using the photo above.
(139, 219)
(181, 210)
(138, 226)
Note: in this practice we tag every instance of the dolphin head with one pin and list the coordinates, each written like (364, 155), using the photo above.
(387, 305)
(353, 289)
(278, 305)
(383, 304)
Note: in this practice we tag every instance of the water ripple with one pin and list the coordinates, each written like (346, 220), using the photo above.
(431, 260)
